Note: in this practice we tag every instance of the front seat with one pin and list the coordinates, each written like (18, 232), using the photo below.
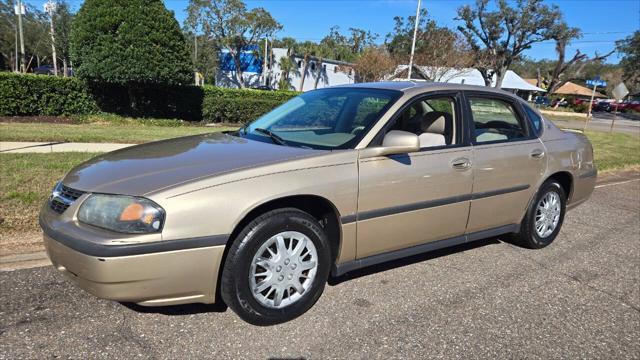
(436, 129)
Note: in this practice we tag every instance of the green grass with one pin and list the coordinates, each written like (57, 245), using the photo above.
(614, 151)
(98, 132)
(26, 181)
(560, 118)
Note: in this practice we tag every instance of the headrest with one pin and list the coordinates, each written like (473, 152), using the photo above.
(435, 122)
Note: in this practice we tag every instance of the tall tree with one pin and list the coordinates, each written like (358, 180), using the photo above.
(441, 51)
(571, 69)
(204, 53)
(37, 42)
(373, 65)
(337, 46)
(629, 48)
(232, 25)
(306, 50)
(129, 42)
(499, 37)
(63, 19)
(286, 67)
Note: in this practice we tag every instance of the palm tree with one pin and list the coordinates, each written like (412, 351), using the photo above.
(286, 66)
(307, 49)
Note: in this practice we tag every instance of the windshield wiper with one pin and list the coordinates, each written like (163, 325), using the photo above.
(274, 137)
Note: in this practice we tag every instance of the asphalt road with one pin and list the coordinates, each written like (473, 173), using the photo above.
(580, 297)
(602, 122)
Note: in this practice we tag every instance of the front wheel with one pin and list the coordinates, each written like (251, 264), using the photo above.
(276, 268)
(544, 218)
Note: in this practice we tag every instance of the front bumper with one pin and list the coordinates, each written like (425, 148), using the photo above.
(152, 273)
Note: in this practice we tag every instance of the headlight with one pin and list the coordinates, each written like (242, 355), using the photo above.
(125, 214)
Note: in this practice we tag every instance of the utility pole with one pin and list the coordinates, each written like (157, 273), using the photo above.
(195, 58)
(264, 63)
(19, 10)
(17, 68)
(50, 7)
(413, 44)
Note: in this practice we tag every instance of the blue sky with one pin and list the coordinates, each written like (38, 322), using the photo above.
(602, 21)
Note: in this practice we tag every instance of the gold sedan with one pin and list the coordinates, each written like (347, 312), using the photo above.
(334, 180)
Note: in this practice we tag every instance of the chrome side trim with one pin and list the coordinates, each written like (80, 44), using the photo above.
(371, 214)
(485, 194)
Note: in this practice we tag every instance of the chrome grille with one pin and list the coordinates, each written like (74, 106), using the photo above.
(63, 197)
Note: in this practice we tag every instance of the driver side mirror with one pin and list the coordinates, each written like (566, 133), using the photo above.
(394, 142)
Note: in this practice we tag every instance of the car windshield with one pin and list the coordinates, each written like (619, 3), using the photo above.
(335, 118)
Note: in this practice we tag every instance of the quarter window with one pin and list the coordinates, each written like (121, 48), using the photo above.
(536, 120)
(495, 120)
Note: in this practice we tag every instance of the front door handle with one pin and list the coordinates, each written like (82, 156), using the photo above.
(461, 164)
(537, 154)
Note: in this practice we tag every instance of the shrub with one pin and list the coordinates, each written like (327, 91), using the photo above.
(280, 95)
(47, 95)
(581, 108)
(235, 110)
(43, 95)
(132, 41)
(149, 100)
(240, 105)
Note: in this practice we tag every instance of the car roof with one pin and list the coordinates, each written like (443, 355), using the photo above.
(423, 86)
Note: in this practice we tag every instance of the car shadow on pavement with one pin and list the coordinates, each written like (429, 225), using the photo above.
(390, 265)
(178, 310)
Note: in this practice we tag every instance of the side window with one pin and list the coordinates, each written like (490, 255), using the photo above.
(432, 119)
(536, 120)
(495, 120)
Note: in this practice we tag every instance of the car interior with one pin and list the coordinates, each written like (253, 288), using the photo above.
(431, 119)
(495, 120)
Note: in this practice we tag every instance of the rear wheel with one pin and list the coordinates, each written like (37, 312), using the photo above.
(544, 218)
(276, 268)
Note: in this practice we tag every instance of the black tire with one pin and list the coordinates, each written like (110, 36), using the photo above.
(235, 287)
(528, 237)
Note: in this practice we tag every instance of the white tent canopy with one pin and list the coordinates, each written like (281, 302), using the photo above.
(468, 76)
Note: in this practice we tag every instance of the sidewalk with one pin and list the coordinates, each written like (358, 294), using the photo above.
(51, 147)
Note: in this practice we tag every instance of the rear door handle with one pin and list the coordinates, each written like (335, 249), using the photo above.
(537, 154)
(461, 163)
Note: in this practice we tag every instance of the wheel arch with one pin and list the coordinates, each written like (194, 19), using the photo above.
(565, 179)
(317, 206)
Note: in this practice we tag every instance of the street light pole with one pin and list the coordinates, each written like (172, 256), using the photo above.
(413, 44)
(50, 7)
(19, 10)
(17, 68)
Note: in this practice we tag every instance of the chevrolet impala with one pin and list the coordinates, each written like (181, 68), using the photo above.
(331, 181)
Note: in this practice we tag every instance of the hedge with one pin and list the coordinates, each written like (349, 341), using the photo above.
(43, 95)
(32, 95)
(240, 105)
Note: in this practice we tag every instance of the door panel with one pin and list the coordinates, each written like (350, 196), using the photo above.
(407, 200)
(505, 177)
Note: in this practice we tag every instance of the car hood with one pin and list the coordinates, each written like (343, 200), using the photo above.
(142, 169)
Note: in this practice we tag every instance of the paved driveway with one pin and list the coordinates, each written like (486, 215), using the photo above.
(579, 297)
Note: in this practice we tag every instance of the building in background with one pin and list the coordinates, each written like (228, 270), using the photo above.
(250, 63)
(469, 76)
(320, 73)
(574, 90)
